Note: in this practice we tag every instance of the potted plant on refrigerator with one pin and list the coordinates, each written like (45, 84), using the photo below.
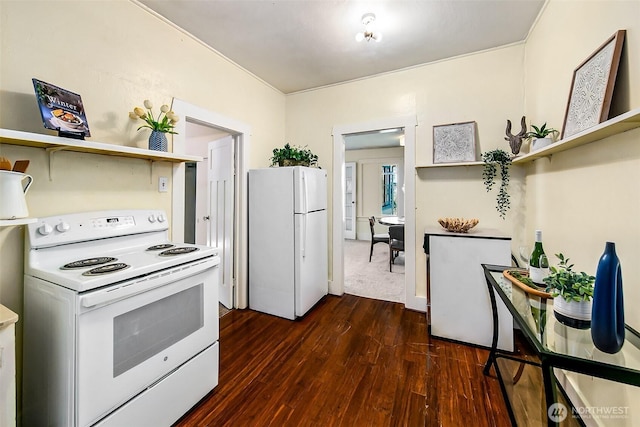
(571, 292)
(539, 136)
(293, 156)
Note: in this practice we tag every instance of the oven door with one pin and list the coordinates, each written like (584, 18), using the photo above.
(126, 345)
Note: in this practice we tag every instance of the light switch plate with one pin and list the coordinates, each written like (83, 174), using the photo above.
(163, 184)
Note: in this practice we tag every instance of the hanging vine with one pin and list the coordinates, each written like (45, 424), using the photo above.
(492, 159)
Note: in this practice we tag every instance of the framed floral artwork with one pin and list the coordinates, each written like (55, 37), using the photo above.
(592, 87)
(454, 143)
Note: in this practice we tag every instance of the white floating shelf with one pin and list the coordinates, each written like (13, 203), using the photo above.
(622, 123)
(448, 165)
(19, 221)
(56, 143)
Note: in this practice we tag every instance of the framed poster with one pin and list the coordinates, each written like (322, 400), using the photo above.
(592, 87)
(61, 110)
(454, 143)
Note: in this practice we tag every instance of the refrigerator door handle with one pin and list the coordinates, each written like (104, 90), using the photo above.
(305, 195)
(304, 237)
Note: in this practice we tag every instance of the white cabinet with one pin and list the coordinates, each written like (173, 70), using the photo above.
(7, 367)
(459, 298)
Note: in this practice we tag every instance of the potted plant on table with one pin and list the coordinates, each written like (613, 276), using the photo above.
(293, 156)
(539, 136)
(492, 159)
(572, 293)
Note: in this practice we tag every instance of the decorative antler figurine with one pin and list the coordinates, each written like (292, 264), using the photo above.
(515, 141)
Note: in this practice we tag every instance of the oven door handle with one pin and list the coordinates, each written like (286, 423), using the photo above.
(146, 283)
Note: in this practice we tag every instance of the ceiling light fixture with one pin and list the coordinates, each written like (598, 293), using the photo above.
(367, 20)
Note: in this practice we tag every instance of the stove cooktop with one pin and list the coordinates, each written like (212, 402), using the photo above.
(87, 250)
(89, 262)
(106, 269)
(87, 267)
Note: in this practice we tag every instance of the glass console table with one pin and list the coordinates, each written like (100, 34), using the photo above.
(565, 353)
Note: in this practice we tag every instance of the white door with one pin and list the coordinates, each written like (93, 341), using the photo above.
(221, 202)
(350, 200)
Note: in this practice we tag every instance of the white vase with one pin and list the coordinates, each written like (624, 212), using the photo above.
(578, 310)
(539, 143)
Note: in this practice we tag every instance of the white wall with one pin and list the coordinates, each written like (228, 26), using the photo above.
(122, 55)
(580, 198)
(589, 195)
(486, 87)
(115, 54)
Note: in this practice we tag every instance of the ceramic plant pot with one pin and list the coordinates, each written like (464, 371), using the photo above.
(539, 143)
(158, 141)
(292, 162)
(576, 314)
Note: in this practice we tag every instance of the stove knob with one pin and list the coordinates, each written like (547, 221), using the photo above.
(45, 229)
(161, 218)
(63, 226)
(152, 218)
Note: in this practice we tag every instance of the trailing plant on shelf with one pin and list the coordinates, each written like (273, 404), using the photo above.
(492, 160)
(293, 156)
(570, 285)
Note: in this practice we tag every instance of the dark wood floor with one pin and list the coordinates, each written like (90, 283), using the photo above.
(350, 362)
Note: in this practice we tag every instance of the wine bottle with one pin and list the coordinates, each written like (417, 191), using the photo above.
(538, 262)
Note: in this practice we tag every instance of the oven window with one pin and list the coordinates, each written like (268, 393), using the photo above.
(146, 331)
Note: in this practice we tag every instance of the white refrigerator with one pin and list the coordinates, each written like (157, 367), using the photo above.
(288, 266)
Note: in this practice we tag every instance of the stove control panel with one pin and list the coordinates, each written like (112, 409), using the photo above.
(63, 226)
(86, 226)
(45, 229)
(113, 222)
(159, 217)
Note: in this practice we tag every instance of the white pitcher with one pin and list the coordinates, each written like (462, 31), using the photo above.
(12, 194)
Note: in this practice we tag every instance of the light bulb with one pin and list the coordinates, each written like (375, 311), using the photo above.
(359, 37)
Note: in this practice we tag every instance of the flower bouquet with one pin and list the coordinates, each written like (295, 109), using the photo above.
(159, 126)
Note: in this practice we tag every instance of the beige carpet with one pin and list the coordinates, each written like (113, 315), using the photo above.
(222, 310)
(372, 279)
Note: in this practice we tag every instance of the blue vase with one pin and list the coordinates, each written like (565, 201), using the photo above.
(607, 313)
(158, 141)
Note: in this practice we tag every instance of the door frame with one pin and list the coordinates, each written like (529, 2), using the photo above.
(409, 123)
(241, 133)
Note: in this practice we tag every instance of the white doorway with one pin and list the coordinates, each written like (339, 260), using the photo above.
(412, 301)
(185, 142)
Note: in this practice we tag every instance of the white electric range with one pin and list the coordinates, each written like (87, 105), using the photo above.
(120, 323)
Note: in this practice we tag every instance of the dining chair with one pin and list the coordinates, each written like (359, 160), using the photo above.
(396, 243)
(376, 238)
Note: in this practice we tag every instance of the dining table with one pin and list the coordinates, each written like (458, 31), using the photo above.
(391, 220)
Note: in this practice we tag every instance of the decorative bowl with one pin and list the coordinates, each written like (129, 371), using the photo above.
(458, 225)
